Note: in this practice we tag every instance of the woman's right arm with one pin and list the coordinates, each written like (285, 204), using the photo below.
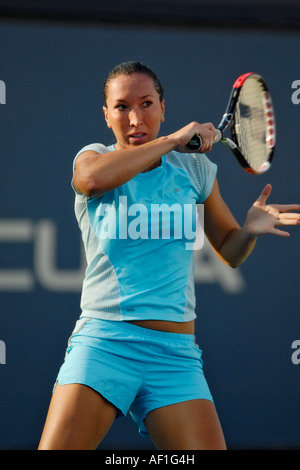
(97, 173)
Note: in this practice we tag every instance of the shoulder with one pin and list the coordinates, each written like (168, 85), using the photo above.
(96, 147)
(87, 151)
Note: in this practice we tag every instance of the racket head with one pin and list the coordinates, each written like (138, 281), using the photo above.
(252, 125)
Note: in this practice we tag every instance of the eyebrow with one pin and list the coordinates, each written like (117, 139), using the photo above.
(120, 100)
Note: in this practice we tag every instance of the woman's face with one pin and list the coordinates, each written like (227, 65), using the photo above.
(133, 110)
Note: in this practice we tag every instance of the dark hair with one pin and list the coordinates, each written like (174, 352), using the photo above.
(129, 68)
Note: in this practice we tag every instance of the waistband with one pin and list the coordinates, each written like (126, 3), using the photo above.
(129, 329)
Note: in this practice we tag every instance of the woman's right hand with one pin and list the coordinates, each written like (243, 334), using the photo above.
(183, 136)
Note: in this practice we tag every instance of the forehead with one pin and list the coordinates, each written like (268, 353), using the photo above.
(135, 85)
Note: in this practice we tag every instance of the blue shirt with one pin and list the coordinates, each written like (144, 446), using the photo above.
(136, 238)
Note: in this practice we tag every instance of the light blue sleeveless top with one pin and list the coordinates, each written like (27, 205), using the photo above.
(136, 238)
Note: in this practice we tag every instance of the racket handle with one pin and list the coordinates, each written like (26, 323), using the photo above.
(196, 143)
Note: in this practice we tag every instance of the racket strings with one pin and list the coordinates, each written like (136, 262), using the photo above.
(251, 125)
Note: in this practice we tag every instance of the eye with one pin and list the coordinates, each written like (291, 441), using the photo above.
(146, 104)
(121, 107)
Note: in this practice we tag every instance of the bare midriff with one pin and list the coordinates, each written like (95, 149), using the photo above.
(167, 326)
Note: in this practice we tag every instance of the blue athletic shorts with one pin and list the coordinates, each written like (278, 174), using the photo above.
(134, 368)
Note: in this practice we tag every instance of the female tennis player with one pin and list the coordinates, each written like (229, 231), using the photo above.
(133, 348)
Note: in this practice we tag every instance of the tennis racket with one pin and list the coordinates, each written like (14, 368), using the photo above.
(250, 117)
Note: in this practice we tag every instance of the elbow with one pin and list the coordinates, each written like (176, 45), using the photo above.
(234, 261)
(88, 186)
(231, 263)
(234, 265)
(91, 189)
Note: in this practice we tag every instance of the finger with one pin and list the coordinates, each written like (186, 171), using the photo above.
(289, 216)
(287, 221)
(205, 148)
(210, 127)
(286, 207)
(264, 194)
(280, 233)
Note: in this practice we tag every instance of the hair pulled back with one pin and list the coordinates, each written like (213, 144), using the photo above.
(129, 68)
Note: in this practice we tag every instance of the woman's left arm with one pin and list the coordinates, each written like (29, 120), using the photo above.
(233, 243)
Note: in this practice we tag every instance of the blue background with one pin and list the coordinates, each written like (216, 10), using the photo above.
(247, 318)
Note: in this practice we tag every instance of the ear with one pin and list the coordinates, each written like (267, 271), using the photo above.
(106, 116)
(163, 110)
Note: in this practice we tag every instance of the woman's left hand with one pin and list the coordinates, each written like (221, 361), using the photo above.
(263, 218)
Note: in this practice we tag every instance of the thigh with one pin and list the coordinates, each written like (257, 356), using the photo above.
(78, 418)
(192, 424)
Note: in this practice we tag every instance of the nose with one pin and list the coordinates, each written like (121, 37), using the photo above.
(135, 117)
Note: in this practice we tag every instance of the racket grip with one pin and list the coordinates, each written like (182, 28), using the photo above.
(196, 143)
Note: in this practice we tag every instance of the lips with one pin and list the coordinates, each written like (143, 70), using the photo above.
(137, 135)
